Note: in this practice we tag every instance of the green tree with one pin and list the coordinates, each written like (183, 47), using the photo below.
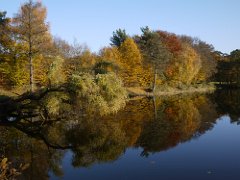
(103, 67)
(154, 52)
(228, 68)
(118, 37)
(235, 55)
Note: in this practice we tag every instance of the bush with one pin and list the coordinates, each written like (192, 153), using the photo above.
(103, 92)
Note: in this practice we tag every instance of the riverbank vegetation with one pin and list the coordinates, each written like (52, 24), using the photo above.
(154, 61)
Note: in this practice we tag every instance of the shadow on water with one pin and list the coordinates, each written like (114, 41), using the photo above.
(42, 129)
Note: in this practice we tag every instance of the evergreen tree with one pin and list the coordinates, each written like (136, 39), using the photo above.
(118, 37)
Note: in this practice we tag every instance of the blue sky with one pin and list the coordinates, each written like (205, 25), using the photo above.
(93, 21)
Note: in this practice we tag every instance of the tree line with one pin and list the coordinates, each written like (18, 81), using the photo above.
(228, 74)
(31, 57)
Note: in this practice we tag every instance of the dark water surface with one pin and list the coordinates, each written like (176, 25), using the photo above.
(180, 137)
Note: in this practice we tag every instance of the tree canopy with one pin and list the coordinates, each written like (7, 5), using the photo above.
(152, 60)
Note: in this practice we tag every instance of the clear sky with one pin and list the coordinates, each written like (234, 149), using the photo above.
(93, 21)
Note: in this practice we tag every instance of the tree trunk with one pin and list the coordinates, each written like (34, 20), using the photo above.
(155, 79)
(31, 73)
(155, 108)
(30, 40)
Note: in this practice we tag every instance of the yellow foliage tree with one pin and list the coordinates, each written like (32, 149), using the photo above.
(31, 29)
(110, 54)
(130, 63)
(13, 67)
(185, 67)
(82, 62)
(48, 71)
(40, 65)
(107, 60)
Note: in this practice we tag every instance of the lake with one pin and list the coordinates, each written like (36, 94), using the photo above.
(178, 137)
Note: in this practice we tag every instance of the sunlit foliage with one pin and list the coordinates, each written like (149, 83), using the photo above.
(185, 67)
(206, 53)
(102, 93)
(7, 171)
(30, 29)
(80, 60)
(130, 63)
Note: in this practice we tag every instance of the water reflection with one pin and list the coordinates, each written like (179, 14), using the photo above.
(228, 102)
(178, 120)
(44, 130)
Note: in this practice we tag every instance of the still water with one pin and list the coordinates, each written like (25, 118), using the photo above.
(179, 137)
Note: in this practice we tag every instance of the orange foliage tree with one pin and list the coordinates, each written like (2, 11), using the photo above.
(130, 62)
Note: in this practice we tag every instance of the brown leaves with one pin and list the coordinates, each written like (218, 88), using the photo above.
(171, 41)
(9, 172)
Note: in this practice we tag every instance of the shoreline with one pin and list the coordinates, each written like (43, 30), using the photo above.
(140, 92)
(134, 92)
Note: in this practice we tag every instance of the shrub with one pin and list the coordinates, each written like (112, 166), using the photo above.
(103, 92)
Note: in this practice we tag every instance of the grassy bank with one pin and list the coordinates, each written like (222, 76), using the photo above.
(168, 91)
(5, 93)
(135, 91)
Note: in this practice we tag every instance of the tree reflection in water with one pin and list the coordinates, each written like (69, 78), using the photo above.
(44, 129)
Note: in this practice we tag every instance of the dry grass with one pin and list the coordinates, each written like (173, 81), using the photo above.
(6, 93)
(13, 91)
(190, 90)
(138, 91)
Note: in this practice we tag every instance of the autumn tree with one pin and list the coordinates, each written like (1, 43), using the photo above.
(80, 59)
(209, 64)
(171, 41)
(5, 43)
(109, 53)
(32, 31)
(130, 63)
(5, 36)
(12, 63)
(126, 61)
(185, 67)
(62, 47)
(207, 56)
(154, 52)
(107, 61)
